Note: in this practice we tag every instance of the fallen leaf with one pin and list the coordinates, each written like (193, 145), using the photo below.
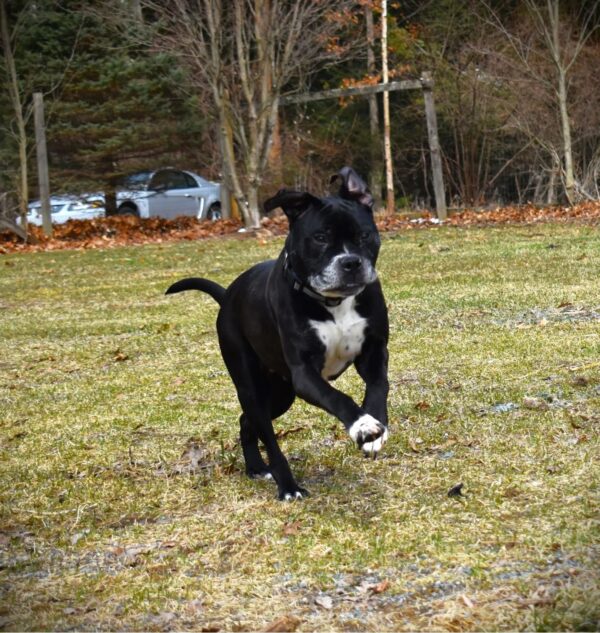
(580, 381)
(422, 406)
(283, 624)
(511, 492)
(414, 445)
(194, 606)
(537, 404)
(468, 602)
(442, 447)
(380, 587)
(290, 529)
(283, 432)
(162, 619)
(326, 602)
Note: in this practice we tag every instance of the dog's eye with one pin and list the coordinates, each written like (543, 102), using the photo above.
(365, 236)
(320, 238)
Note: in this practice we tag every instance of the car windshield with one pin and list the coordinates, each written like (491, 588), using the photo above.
(136, 181)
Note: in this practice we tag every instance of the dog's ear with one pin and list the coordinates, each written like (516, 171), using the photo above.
(353, 186)
(293, 203)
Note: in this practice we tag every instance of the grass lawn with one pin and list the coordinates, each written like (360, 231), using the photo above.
(125, 506)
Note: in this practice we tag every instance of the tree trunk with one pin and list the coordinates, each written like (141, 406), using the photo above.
(376, 173)
(253, 208)
(387, 145)
(15, 97)
(551, 197)
(566, 134)
(561, 91)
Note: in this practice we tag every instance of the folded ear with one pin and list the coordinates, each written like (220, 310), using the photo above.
(293, 203)
(353, 186)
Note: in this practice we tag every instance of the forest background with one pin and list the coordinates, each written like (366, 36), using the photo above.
(197, 84)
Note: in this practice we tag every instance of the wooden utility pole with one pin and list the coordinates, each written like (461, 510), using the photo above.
(434, 147)
(376, 175)
(387, 145)
(42, 161)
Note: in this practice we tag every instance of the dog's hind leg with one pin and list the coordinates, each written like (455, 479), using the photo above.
(254, 391)
(282, 395)
(255, 464)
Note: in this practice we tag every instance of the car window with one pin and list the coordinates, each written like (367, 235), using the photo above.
(160, 180)
(190, 181)
(170, 179)
(136, 181)
(178, 180)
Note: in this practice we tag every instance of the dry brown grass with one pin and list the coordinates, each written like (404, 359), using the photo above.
(124, 505)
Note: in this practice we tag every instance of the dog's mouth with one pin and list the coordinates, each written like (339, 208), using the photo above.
(333, 282)
(347, 290)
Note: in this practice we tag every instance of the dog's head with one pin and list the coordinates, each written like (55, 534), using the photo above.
(333, 241)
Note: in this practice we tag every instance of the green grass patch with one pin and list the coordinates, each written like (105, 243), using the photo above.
(124, 504)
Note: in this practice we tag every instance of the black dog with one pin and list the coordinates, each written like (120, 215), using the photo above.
(288, 326)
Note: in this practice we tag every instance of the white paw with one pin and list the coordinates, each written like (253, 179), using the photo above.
(372, 448)
(368, 433)
(291, 497)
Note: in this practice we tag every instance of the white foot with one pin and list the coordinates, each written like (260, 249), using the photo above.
(291, 497)
(368, 433)
(372, 448)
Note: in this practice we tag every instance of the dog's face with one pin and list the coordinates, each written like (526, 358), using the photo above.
(333, 242)
(335, 247)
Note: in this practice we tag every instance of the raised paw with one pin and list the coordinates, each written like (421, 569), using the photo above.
(370, 449)
(369, 434)
(293, 495)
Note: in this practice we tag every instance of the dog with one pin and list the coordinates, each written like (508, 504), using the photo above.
(288, 327)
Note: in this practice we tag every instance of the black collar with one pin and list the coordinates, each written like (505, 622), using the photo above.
(300, 286)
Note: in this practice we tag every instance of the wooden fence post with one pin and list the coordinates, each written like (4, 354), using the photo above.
(42, 161)
(434, 147)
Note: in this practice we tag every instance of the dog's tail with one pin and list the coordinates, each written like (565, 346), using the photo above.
(196, 283)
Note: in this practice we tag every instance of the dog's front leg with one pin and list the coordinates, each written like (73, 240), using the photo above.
(372, 367)
(362, 427)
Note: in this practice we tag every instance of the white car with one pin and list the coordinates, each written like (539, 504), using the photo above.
(68, 207)
(165, 193)
(168, 193)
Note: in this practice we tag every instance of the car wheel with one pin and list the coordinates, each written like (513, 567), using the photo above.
(214, 213)
(128, 209)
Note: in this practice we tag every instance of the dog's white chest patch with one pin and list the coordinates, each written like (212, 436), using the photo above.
(343, 337)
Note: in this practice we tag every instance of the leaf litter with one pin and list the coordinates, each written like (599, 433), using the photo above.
(128, 230)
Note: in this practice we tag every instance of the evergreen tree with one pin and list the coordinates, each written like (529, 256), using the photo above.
(111, 106)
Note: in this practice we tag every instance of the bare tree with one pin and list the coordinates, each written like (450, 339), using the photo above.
(247, 53)
(544, 50)
(14, 92)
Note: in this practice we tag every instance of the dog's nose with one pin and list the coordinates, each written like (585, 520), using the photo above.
(350, 263)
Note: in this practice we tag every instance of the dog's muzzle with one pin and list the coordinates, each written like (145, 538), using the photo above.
(346, 275)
